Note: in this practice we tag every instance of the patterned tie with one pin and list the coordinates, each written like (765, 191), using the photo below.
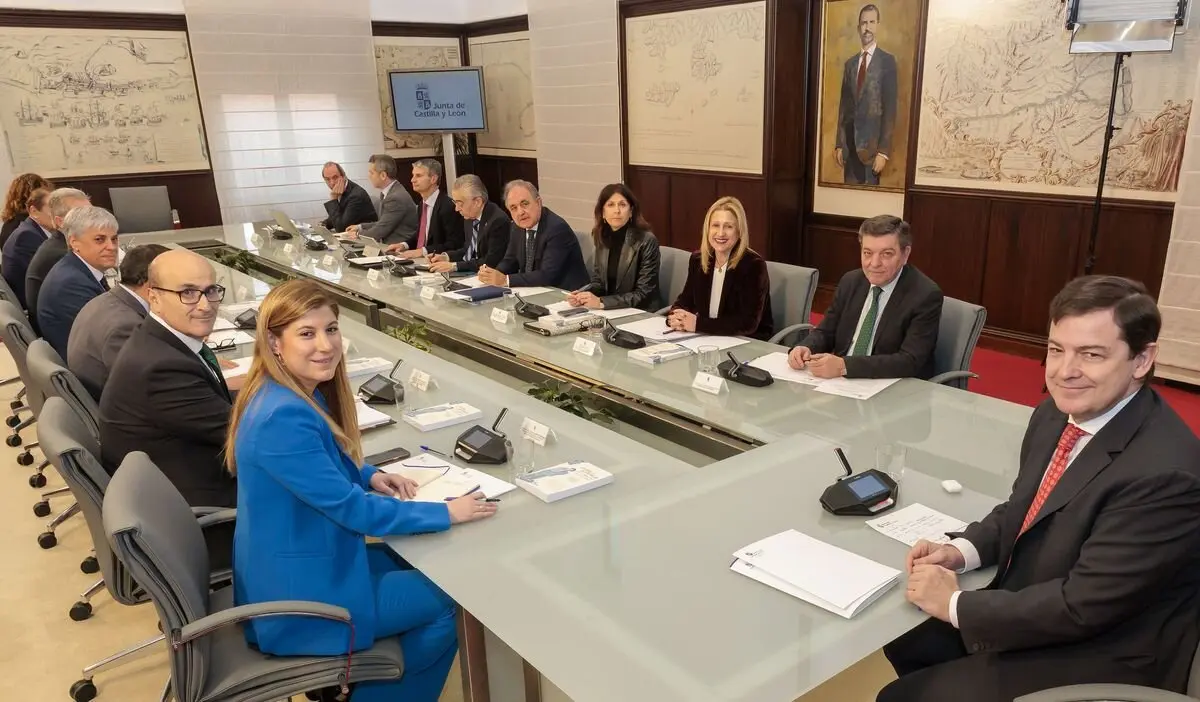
(104, 282)
(423, 228)
(530, 235)
(862, 73)
(862, 345)
(473, 242)
(210, 360)
(1058, 465)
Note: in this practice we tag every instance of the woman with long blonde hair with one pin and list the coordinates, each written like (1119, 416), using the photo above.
(728, 291)
(305, 504)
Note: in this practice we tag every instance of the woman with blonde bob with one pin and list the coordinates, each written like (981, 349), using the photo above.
(305, 502)
(727, 291)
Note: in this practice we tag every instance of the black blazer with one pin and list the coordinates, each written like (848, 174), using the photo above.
(1108, 574)
(72, 286)
(162, 399)
(10, 226)
(557, 258)
(47, 256)
(637, 273)
(745, 308)
(18, 251)
(494, 228)
(446, 231)
(353, 207)
(905, 337)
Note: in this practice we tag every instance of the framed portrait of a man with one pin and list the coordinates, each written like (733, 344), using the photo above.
(869, 51)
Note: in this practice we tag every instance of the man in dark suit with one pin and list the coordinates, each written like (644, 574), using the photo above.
(867, 108)
(1097, 550)
(166, 395)
(348, 202)
(397, 213)
(486, 229)
(91, 234)
(62, 201)
(883, 322)
(542, 247)
(25, 240)
(106, 323)
(440, 227)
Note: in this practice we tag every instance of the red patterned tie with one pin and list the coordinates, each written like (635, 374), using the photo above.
(862, 73)
(1058, 465)
(423, 227)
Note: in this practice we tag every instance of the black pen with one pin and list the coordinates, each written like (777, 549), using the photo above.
(845, 463)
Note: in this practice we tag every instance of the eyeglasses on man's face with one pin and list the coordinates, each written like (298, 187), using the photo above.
(190, 296)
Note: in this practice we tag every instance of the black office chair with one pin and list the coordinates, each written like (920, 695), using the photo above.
(18, 335)
(42, 363)
(958, 333)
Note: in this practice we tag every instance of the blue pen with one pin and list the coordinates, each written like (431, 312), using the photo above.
(434, 452)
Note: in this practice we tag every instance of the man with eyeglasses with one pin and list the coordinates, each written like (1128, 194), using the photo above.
(166, 395)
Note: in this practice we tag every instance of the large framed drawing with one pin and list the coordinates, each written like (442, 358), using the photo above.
(392, 53)
(867, 72)
(508, 88)
(88, 102)
(694, 85)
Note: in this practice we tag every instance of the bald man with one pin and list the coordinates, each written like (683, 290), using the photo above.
(165, 394)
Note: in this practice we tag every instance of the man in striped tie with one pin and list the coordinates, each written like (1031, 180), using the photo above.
(1097, 549)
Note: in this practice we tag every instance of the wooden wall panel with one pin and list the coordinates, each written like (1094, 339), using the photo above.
(753, 196)
(193, 193)
(495, 171)
(831, 246)
(690, 197)
(949, 241)
(653, 191)
(1133, 241)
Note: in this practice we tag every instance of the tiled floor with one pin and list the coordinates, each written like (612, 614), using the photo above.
(42, 650)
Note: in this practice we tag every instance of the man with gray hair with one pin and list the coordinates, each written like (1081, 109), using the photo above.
(61, 201)
(543, 250)
(440, 227)
(91, 235)
(348, 203)
(486, 230)
(397, 211)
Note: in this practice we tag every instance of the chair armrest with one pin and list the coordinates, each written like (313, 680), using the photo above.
(783, 333)
(218, 517)
(943, 378)
(235, 615)
(201, 511)
(1104, 691)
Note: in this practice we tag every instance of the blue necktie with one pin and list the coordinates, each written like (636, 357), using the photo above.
(473, 242)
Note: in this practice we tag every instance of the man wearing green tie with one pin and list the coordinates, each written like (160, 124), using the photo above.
(883, 322)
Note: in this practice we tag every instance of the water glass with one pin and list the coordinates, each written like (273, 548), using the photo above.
(889, 458)
(708, 359)
(509, 301)
(524, 457)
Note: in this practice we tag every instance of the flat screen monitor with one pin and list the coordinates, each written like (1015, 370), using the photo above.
(443, 100)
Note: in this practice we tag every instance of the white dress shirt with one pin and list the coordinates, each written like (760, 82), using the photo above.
(386, 189)
(862, 315)
(194, 345)
(870, 51)
(1091, 427)
(718, 287)
(96, 272)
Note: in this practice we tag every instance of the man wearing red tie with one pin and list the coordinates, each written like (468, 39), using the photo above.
(440, 226)
(866, 106)
(1097, 549)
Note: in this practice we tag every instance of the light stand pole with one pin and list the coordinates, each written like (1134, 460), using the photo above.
(1110, 128)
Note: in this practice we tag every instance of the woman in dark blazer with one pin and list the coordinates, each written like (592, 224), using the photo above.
(306, 501)
(625, 270)
(727, 291)
(15, 202)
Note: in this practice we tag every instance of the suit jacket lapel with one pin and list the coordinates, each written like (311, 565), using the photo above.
(625, 265)
(891, 313)
(125, 297)
(852, 312)
(165, 334)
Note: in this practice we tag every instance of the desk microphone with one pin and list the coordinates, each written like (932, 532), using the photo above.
(528, 309)
(622, 338)
(739, 372)
(383, 389)
(482, 445)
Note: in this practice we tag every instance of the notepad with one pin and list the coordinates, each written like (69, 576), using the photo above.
(721, 342)
(777, 365)
(222, 324)
(564, 480)
(915, 522)
(655, 329)
(821, 574)
(438, 480)
(444, 415)
(369, 417)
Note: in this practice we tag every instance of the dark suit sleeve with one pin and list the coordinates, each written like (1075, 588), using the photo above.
(750, 290)
(687, 298)
(185, 404)
(23, 249)
(354, 207)
(450, 222)
(845, 104)
(555, 257)
(1143, 536)
(647, 277)
(499, 231)
(887, 123)
(920, 339)
(58, 311)
(511, 262)
(823, 338)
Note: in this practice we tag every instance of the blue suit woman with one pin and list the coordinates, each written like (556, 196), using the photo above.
(305, 504)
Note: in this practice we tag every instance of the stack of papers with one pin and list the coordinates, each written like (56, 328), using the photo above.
(369, 417)
(237, 308)
(367, 366)
(444, 415)
(659, 353)
(721, 342)
(829, 577)
(438, 480)
(856, 388)
(916, 522)
(655, 329)
(559, 307)
(777, 365)
(221, 324)
(564, 480)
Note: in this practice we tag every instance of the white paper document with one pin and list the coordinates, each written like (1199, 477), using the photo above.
(459, 481)
(721, 342)
(369, 417)
(563, 306)
(369, 365)
(777, 365)
(655, 329)
(239, 337)
(237, 308)
(818, 573)
(915, 522)
(472, 282)
(241, 366)
(221, 324)
(526, 292)
(856, 388)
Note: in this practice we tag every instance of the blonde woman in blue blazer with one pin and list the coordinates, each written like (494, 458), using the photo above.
(305, 502)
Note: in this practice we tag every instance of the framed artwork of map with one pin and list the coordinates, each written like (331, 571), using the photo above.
(86, 102)
(694, 88)
(1005, 106)
(393, 53)
(868, 64)
(508, 94)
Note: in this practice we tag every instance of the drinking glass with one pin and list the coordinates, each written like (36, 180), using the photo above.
(708, 358)
(889, 458)
(509, 301)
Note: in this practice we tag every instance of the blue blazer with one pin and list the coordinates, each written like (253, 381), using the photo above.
(69, 285)
(18, 252)
(303, 509)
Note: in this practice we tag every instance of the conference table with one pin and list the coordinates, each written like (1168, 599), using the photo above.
(625, 592)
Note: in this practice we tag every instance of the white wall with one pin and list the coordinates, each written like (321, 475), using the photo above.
(479, 10)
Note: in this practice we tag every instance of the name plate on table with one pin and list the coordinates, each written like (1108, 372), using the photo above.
(289, 249)
(536, 432)
(373, 274)
(587, 347)
(421, 380)
(707, 382)
(427, 292)
(328, 260)
(500, 316)
(370, 251)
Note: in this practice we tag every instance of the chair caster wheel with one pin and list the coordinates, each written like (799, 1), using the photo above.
(37, 480)
(90, 565)
(81, 611)
(83, 691)
(12, 420)
(41, 509)
(25, 459)
(47, 539)
(13, 440)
